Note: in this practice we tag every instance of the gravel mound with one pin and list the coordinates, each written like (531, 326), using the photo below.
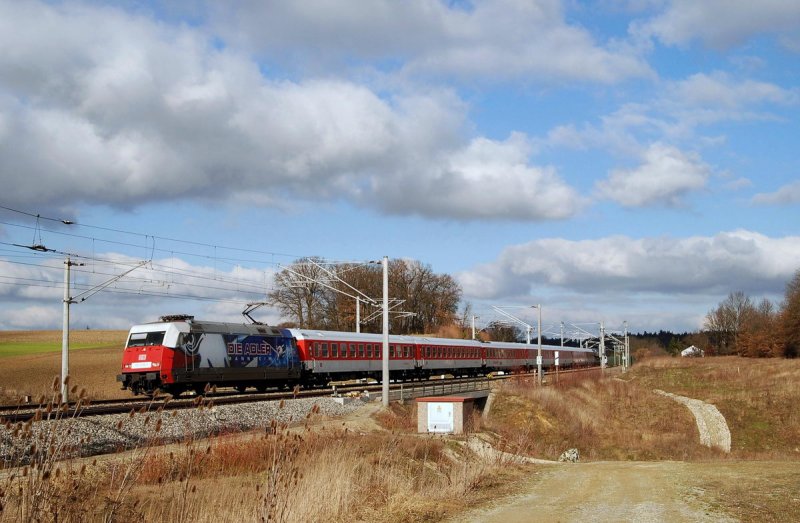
(711, 424)
(104, 434)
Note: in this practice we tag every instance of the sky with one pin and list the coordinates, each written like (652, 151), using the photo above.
(613, 161)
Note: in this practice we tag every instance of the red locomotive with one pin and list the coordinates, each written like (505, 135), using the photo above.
(178, 354)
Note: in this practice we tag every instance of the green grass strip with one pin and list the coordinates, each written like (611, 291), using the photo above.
(8, 350)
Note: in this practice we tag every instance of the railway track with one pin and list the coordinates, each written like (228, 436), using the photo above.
(24, 412)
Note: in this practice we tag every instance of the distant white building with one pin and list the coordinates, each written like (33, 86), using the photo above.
(692, 352)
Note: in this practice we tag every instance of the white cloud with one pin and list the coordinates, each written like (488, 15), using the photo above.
(787, 195)
(113, 108)
(719, 89)
(23, 281)
(494, 39)
(31, 317)
(486, 179)
(738, 260)
(617, 132)
(738, 183)
(720, 23)
(676, 113)
(665, 176)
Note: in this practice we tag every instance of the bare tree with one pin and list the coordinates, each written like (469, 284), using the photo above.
(725, 322)
(432, 298)
(298, 293)
(759, 336)
(499, 331)
(790, 318)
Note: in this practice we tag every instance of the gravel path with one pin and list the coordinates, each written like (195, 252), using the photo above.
(104, 434)
(711, 424)
(605, 492)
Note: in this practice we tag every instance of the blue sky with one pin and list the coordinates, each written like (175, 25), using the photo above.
(614, 160)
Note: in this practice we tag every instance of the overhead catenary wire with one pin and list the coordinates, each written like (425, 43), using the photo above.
(131, 292)
(153, 249)
(155, 237)
(241, 285)
(248, 286)
(160, 250)
(124, 263)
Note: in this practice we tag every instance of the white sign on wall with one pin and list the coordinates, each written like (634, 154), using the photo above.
(440, 417)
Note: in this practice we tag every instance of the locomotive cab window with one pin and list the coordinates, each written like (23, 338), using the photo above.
(146, 339)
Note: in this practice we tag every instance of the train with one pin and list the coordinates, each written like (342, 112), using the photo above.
(178, 354)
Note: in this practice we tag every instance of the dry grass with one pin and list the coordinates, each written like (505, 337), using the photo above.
(758, 397)
(762, 492)
(331, 475)
(281, 474)
(603, 418)
(623, 419)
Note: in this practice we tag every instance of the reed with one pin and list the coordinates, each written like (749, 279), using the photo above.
(280, 473)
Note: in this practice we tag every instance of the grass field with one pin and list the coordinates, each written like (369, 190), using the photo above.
(604, 417)
(759, 398)
(25, 343)
(623, 419)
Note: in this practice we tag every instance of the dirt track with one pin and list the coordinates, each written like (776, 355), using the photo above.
(622, 491)
(646, 491)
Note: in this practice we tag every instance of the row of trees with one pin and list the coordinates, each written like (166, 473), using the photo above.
(738, 325)
(316, 295)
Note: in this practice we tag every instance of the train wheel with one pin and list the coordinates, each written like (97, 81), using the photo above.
(240, 388)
